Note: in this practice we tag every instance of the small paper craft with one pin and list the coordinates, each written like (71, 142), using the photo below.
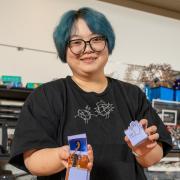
(135, 133)
(78, 160)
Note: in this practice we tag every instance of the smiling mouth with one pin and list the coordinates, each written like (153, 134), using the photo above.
(88, 60)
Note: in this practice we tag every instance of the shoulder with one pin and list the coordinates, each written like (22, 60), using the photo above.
(125, 86)
(130, 92)
(55, 85)
(50, 90)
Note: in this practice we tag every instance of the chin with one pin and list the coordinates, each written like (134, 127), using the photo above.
(90, 71)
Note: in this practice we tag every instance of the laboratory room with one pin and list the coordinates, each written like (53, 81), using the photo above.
(89, 90)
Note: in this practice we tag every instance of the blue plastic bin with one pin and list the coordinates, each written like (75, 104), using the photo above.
(147, 91)
(12, 81)
(162, 93)
(155, 93)
(177, 95)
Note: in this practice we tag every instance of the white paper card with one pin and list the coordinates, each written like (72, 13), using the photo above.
(78, 174)
(135, 133)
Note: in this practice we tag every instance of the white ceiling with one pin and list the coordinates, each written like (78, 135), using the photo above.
(169, 8)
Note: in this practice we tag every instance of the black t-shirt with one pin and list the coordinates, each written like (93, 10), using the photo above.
(60, 108)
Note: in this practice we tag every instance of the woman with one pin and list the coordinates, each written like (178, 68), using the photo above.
(87, 102)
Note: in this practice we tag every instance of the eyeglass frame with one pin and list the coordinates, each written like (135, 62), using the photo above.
(87, 42)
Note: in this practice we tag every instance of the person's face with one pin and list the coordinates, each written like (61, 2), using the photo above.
(88, 61)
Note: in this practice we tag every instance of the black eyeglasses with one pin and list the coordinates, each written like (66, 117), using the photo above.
(78, 46)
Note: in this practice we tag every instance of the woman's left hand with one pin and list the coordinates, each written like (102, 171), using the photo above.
(149, 143)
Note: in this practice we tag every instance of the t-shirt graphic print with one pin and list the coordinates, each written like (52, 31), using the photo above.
(101, 108)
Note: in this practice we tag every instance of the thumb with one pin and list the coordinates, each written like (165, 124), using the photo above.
(64, 152)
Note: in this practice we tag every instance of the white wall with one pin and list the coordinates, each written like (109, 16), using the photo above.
(141, 38)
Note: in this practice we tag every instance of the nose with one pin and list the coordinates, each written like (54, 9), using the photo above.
(87, 48)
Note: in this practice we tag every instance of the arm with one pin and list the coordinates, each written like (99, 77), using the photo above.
(152, 157)
(49, 161)
(148, 152)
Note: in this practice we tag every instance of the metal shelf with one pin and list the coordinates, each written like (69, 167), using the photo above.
(11, 101)
(19, 94)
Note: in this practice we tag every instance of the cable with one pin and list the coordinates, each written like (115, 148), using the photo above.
(19, 48)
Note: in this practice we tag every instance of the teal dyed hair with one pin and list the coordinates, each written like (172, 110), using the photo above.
(96, 22)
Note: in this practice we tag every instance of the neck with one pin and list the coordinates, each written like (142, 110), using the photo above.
(91, 83)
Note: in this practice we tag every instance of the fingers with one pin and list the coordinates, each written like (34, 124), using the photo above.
(63, 155)
(151, 130)
(128, 142)
(89, 166)
(90, 157)
(65, 163)
(144, 123)
(152, 133)
(65, 148)
(151, 145)
(90, 153)
(126, 139)
(154, 137)
(64, 152)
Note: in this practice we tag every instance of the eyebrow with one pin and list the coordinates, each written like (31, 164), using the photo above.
(75, 36)
(78, 36)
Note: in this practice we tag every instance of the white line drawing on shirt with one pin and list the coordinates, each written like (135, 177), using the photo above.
(102, 109)
(85, 114)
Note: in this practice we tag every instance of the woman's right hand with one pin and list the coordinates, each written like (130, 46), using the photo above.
(48, 161)
(64, 154)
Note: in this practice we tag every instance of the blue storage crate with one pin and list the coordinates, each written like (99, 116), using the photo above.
(147, 91)
(177, 95)
(9, 79)
(12, 81)
(155, 93)
(162, 93)
(166, 93)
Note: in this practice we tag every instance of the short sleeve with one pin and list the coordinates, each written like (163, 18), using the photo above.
(145, 110)
(37, 127)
